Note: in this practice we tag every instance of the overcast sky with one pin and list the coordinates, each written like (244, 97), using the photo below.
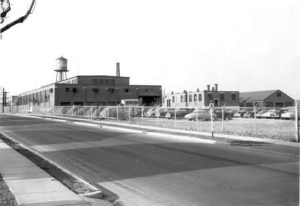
(243, 45)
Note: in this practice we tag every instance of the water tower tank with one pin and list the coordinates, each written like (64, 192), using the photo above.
(62, 64)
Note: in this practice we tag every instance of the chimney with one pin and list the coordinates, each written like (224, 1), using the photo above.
(208, 87)
(216, 87)
(118, 69)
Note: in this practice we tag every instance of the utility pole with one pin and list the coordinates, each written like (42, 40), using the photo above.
(3, 99)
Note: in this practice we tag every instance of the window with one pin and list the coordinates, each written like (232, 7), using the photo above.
(200, 97)
(233, 97)
(209, 95)
(100, 81)
(249, 104)
(112, 82)
(195, 97)
(168, 102)
(288, 104)
(173, 99)
(67, 89)
(106, 82)
(95, 81)
(51, 90)
(278, 94)
(190, 98)
(222, 97)
(269, 104)
(181, 98)
(74, 90)
(95, 90)
(126, 90)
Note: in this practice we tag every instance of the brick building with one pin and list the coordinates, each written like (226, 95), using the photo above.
(90, 90)
(202, 98)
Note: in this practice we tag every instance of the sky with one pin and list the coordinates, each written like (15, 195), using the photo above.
(241, 45)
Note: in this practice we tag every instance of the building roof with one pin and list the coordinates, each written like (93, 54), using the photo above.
(257, 95)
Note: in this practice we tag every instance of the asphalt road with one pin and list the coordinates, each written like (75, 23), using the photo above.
(151, 169)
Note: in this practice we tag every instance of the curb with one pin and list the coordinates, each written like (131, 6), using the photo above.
(94, 191)
(220, 138)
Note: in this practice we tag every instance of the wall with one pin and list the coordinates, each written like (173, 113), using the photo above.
(90, 80)
(69, 94)
(279, 101)
(191, 99)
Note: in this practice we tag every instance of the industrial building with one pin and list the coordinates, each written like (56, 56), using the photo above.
(269, 98)
(202, 98)
(89, 90)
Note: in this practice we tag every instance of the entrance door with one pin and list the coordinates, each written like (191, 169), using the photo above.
(216, 102)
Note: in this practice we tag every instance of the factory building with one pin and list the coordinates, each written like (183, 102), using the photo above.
(198, 98)
(89, 90)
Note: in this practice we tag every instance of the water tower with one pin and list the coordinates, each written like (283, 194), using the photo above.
(61, 69)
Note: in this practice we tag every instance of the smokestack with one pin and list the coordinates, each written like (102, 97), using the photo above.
(118, 69)
(216, 87)
(208, 87)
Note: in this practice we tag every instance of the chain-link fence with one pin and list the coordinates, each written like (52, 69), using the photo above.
(274, 123)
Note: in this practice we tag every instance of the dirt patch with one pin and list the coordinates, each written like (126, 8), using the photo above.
(68, 180)
(6, 197)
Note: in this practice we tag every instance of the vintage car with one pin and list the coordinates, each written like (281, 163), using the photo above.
(180, 113)
(228, 114)
(202, 114)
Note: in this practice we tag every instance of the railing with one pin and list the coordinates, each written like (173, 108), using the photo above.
(274, 123)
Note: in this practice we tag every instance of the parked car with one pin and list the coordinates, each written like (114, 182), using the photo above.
(180, 113)
(228, 114)
(290, 114)
(203, 114)
(249, 114)
(239, 114)
(161, 112)
(120, 113)
(269, 114)
(151, 112)
(260, 113)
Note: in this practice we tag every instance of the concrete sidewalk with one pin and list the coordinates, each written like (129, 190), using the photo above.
(32, 185)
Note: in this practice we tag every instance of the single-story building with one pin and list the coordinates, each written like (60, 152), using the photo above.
(268, 98)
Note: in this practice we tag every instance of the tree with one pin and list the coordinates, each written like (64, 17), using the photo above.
(5, 8)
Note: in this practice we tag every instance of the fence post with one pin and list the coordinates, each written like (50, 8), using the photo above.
(197, 119)
(211, 123)
(175, 117)
(142, 114)
(117, 113)
(255, 123)
(128, 114)
(222, 118)
(297, 121)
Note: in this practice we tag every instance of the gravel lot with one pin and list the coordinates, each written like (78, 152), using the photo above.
(264, 128)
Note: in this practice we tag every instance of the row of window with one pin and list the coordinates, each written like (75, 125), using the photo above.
(104, 82)
(183, 98)
(95, 90)
(111, 90)
(198, 97)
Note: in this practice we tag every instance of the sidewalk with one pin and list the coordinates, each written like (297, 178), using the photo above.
(32, 185)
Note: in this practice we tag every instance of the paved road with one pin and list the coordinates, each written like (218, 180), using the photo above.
(151, 169)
